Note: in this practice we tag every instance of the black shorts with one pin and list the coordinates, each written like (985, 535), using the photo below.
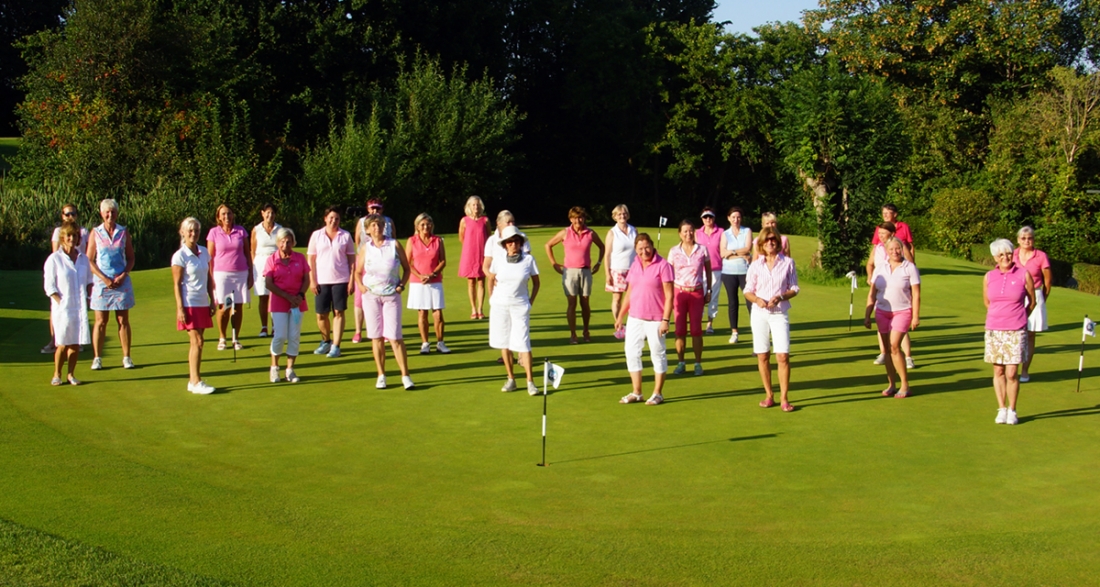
(332, 296)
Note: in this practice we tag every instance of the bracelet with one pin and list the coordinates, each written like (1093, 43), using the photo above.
(664, 319)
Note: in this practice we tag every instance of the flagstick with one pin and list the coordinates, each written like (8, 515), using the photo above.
(1081, 361)
(545, 392)
(851, 297)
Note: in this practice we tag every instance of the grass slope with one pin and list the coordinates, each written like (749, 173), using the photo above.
(333, 482)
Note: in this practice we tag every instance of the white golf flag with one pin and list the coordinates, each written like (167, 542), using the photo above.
(1090, 328)
(855, 280)
(554, 373)
(663, 221)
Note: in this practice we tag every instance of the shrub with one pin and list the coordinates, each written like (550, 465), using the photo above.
(963, 217)
(1087, 277)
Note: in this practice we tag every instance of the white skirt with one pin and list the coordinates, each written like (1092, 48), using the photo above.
(231, 284)
(259, 283)
(426, 296)
(1037, 321)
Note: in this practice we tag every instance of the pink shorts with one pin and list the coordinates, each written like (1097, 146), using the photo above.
(688, 305)
(198, 318)
(358, 294)
(893, 321)
(382, 315)
(618, 281)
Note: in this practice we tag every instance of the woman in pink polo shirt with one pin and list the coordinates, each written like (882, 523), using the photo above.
(331, 254)
(876, 259)
(691, 263)
(895, 298)
(427, 258)
(576, 273)
(228, 244)
(1037, 265)
(286, 276)
(710, 236)
(648, 302)
(769, 285)
(1009, 297)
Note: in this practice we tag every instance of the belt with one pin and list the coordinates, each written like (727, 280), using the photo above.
(689, 289)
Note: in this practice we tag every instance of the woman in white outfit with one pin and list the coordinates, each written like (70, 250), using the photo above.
(618, 257)
(263, 246)
(67, 281)
(196, 302)
(68, 214)
(510, 305)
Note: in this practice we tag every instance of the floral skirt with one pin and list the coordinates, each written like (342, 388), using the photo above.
(1006, 347)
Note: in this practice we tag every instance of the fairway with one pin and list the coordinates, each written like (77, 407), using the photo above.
(130, 479)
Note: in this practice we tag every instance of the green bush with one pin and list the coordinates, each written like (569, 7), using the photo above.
(963, 217)
(1087, 277)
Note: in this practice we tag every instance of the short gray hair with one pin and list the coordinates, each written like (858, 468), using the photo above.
(1000, 246)
(285, 232)
(1025, 231)
(505, 217)
(109, 204)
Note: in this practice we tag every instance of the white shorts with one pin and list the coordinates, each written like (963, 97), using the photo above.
(231, 283)
(1037, 321)
(765, 323)
(510, 327)
(426, 296)
(637, 333)
(260, 284)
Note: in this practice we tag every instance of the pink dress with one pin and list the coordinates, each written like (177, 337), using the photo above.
(473, 247)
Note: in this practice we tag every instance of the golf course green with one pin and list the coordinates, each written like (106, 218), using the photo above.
(131, 480)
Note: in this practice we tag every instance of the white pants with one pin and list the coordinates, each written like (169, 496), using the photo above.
(510, 327)
(638, 332)
(777, 324)
(285, 331)
(715, 287)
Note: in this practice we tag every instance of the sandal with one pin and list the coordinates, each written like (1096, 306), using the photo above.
(573, 339)
(655, 399)
(631, 398)
(474, 315)
(221, 344)
(788, 408)
(57, 381)
(902, 394)
(767, 403)
(889, 391)
(73, 380)
(237, 346)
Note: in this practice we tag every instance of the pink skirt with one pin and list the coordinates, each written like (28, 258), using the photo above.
(198, 318)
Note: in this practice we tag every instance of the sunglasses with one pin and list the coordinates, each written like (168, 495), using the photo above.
(771, 240)
(68, 213)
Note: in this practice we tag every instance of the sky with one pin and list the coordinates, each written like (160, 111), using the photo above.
(745, 14)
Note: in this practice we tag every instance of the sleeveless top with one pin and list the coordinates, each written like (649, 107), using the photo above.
(577, 247)
(473, 247)
(266, 245)
(110, 252)
(381, 268)
(738, 265)
(426, 256)
(622, 247)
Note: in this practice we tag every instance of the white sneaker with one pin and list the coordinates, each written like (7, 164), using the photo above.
(880, 360)
(1002, 416)
(49, 349)
(407, 381)
(442, 347)
(97, 364)
(127, 363)
(425, 348)
(1025, 378)
(201, 388)
(1011, 419)
(532, 389)
(509, 385)
(381, 384)
(733, 338)
(274, 374)
(909, 364)
(291, 376)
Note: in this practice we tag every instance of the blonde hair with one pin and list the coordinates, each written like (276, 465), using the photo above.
(68, 228)
(764, 234)
(479, 211)
(505, 217)
(620, 208)
(766, 216)
(423, 216)
(285, 232)
(189, 222)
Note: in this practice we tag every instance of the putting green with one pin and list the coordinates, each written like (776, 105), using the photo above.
(130, 479)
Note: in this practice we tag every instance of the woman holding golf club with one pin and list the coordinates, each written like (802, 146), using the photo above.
(691, 263)
(576, 273)
(228, 244)
(286, 276)
(427, 258)
(648, 303)
(510, 305)
(67, 278)
(736, 250)
(111, 253)
(383, 269)
(196, 300)
(1009, 296)
(618, 258)
(1037, 265)
(895, 300)
(771, 283)
(263, 245)
(878, 258)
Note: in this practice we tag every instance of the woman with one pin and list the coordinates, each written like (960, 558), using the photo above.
(286, 276)
(111, 252)
(427, 258)
(374, 206)
(196, 301)
(510, 305)
(648, 302)
(769, 220)
(331, 255)
(736, 251)
(576, 274)
(691, 263)
(263, 245)
(67, 278)
(618, 259)
(1037, 265)
(473, 229)
(68, 214)
(877, 258)
(711, 237)
(1009, 296)
(228, 244)
(492, 244)
(770, 284)
(895, 299)
(384, 270)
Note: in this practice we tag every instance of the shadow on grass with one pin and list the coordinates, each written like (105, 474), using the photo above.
(660, 448)
(1091, 411)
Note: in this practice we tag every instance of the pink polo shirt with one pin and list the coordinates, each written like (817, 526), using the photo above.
(1007, 293)
(332, 256)
(901, 231)
(690, 268)
(290, 276)
(424, 258)
(711, 242)
(767, 283)
(578, 248)
(229, 248)
(647, 292)
(894, 286)
(1034, 266)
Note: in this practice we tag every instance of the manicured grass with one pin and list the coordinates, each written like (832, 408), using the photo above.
(9, 146)
(331, 481)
